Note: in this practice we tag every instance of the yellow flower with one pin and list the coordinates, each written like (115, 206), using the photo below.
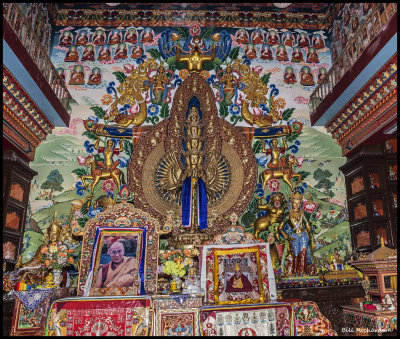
(53, 249)
(280, 102)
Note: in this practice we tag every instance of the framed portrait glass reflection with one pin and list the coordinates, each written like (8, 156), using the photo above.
(116, 264)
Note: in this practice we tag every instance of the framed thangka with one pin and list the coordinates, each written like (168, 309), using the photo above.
(237, 273)
(117, 261)
(237, 276)
(131, 231)
(177, 322)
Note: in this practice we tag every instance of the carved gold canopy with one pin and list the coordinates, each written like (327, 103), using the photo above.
(224, 149)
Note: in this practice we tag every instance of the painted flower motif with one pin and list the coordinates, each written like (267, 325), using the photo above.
(194, 29)
(332, 212)
(153, 110)
(106, 99)
(71, 260)
(205, 74)
(44, 249)
(234, 109)
(183, 73)
(134, 109)
(53, 249)
(318, 214)
(309, 206)
(186, 253)
(108, 186)
(280, 102)
(274, 185)
(129, 68)
(47, 262)
(62, 254)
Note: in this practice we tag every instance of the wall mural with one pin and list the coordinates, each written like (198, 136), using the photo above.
(38, 15)
(350, 17)
(124, 79)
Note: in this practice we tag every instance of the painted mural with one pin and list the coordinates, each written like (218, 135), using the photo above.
(38, 15)
(350, 17)
(100, 64)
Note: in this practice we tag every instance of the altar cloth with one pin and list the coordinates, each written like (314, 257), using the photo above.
(275, 319)
(100, 316)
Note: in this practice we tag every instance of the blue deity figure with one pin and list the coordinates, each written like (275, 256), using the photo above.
(300, 236)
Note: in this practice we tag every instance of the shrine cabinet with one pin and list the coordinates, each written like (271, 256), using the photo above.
(371, 185)
(17, 176)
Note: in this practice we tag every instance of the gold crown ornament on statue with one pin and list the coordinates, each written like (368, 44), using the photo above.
(296, 196)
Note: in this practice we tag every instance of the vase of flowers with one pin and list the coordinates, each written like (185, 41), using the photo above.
(55, 257)
(176, 263)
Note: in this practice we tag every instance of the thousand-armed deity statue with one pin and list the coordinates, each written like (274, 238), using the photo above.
(194, 165)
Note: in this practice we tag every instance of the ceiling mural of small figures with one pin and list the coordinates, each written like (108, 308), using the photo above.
(350, 17)
(38, 16)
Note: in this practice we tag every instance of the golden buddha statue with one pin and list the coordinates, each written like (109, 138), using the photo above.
(51, 236)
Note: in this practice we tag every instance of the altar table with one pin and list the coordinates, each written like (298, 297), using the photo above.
(181, 314)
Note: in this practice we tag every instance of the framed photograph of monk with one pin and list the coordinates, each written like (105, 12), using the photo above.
(116, 268)
(237, 276)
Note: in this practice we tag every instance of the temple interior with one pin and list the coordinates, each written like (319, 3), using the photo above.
(199, 169)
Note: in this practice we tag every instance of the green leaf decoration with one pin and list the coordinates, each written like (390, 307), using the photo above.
(287, 113)
(90, 135)
(164, 110)
(257, 147)
(80, 171)
(223, 110)
(234, 53)
(293, 136)
(98, 111)
(153, 120)
(206, 34)
(84, 210)
(155, 53)
(265, 78)
(120, 76)
(128, 147)
(248, 218)
(304, 174)
(235, 119)
(183, 32)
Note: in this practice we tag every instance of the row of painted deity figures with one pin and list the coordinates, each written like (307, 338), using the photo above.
(104, 53)
(99, 37)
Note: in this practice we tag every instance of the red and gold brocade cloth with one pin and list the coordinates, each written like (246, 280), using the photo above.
(253, 320)
(310, 321)
(100, 316)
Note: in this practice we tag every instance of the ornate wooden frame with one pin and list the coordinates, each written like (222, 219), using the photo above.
(122, 215)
